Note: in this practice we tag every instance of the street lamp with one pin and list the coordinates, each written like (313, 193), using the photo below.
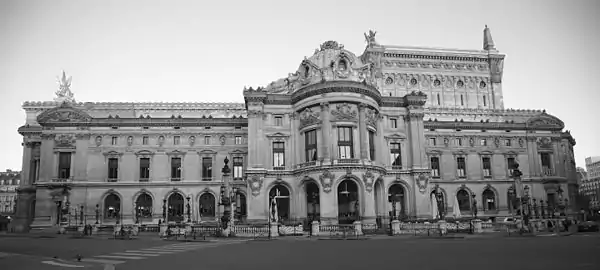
(81, 215)
(439, 199)
(164, 210)
(474, 206)
(97, 212)
(189, 211)
(225, 199)
(560, 200)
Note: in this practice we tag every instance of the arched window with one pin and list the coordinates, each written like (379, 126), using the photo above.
(489, 200)
(348, 203)
(342, 65)
(176, 206)
(464, 202)
(396, 200)
(112, 206)
(143, 206)
(279, 196)
(241, 207)
(207, 205)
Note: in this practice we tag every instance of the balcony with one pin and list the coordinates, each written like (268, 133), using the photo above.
(61, 180)
(279, 168)
(112, 179)
(346, 161)
(144, 180)
(487, 173)
(547, 171)
(175, 179)
(435, 173)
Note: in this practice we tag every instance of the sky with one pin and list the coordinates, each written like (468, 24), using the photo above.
(202, 51)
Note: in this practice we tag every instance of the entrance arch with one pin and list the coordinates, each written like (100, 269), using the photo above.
(397, 201)
(313, 200)
(143, 206)
(280, 194)
(112, 206)
(207, 206)
(348, 202)
(175, 209)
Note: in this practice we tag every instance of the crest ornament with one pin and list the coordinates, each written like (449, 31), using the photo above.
(422, 180)
(65, 140)
(544, 142)
(497, 141)
(369, 179)
(192, 140)
(326, 180)
(222, 139)
(344, 112)
(161, 140)
(256, 183)
(64, 93)
(129, 140)
(371, 117)
(520, 142)
(308, 117)
(98, 140)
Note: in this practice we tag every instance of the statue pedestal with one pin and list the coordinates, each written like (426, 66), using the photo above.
(314, 228)
(443, 227)
(274, 229)
(357, 228)
(135, 229)
(395, 227)
(163, 230)
(95, 228)
(477, 227)
(62, 229)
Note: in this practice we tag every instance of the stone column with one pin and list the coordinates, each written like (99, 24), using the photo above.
(325, 132)
(298, 142)
(25, 171)
(362, 129)
(291, 152)
(381, 151)
(418, 157)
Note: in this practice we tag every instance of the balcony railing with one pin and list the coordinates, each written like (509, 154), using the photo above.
(175, 179)
(347, 161)
(112, 179)
(460, 173)
(279, 168)
(487, 173)
(143, 180)
(61, 180)
(435, 173)
(547, 171)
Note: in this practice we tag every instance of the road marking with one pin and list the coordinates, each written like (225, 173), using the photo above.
(4, 255)
(152, 251)
(102, 261)
(136, 254)
(120, 257)
(62, 264)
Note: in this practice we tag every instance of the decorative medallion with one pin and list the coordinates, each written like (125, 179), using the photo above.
(161, 140)
(437, 83)
(256, 183)
(222, 139)
(422, 180)
(98, 140)
(192, 140)
(327, 180)
(460, 84)
(65, 140)
(482, 85)
(371, 117)
(308, 117)
(344, 111)
(544, 142)
(389, 80)
(497, 141)
(130, 141)
(413, 82)
(369, 179)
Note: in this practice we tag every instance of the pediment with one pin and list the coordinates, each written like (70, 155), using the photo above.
(545, 121)
(238, 152)
(460, 153)
(112, 153)
(176, 153)
(278, 135)
(144, 153)
(64, 113)
(486, 153)
(207, 152)
(395, 136)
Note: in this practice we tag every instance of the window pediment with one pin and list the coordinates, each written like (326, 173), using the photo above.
(395, 137)
(144, 154)
(237, 152)
(434, 152)
(486, 153)
(511, 154)
(460, 153)
(112, 154)
(176, 153)
(278, 136)
(207, 152)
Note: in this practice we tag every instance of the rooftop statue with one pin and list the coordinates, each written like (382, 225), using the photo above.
(370, 38)
(64, 89)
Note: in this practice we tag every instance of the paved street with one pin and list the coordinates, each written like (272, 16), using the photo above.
(572, 252)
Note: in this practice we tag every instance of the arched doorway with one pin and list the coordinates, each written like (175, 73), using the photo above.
(464, 201)
(207, 206)
(143, 206)
(241, 210)
(279, 196)
(112, 206)
(175, 209)
(313, 211)
(489, 200)
(348, 204)
(439, 199)
(397, 201)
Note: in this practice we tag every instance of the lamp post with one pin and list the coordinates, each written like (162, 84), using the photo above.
(225, 199)
(474, 206)
(439, 199)
(81, 215)
(164, 211)
(526, 206)
(189, 210)
(542, 209)
(560, 200)
(97, 212)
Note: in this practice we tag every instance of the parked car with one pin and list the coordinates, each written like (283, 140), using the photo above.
(587, 226)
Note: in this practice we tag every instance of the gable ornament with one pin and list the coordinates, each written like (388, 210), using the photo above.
(344, 111)
(326, 180)
(369, 179)
(256, 183)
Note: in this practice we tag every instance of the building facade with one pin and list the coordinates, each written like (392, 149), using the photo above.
(342, 138)
(590, 186)
(9, 181)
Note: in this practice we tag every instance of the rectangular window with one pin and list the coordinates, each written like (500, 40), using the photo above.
(432, 142)
(206, 169)
(487, 166)
(279, 121)
(394, 122)
(546, 164)
(310, 145)
(483, 142)
(395, 155)
(372, 145)
(508, 142)
(238, 139)
(459, 141)
(439, 101)
(113, 169)
(144, 169)
(64, 165)
(461, 167)
(278, 154)
(462, 101)
(510, 163)
(484, 101)
(206, 140)
(176, 140)
(114, 140)
(238, 168)
(145, 140)
(345, 143)
(175, 169)
(435, 166)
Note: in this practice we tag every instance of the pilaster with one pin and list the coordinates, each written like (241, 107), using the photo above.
(325, 132)
(417, 138)
(26, 165)
(362, 130)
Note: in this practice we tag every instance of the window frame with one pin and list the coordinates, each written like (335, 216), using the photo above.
(345, 144)
(311, 149)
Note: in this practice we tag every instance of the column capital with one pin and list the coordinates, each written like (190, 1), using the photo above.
(362, 106)
(324, 104)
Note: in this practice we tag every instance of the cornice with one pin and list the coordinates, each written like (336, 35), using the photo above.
(333, 87)
(484, 126)
(152, 122)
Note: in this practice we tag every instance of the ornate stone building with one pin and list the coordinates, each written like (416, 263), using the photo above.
(9, 181)
(342, 138)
